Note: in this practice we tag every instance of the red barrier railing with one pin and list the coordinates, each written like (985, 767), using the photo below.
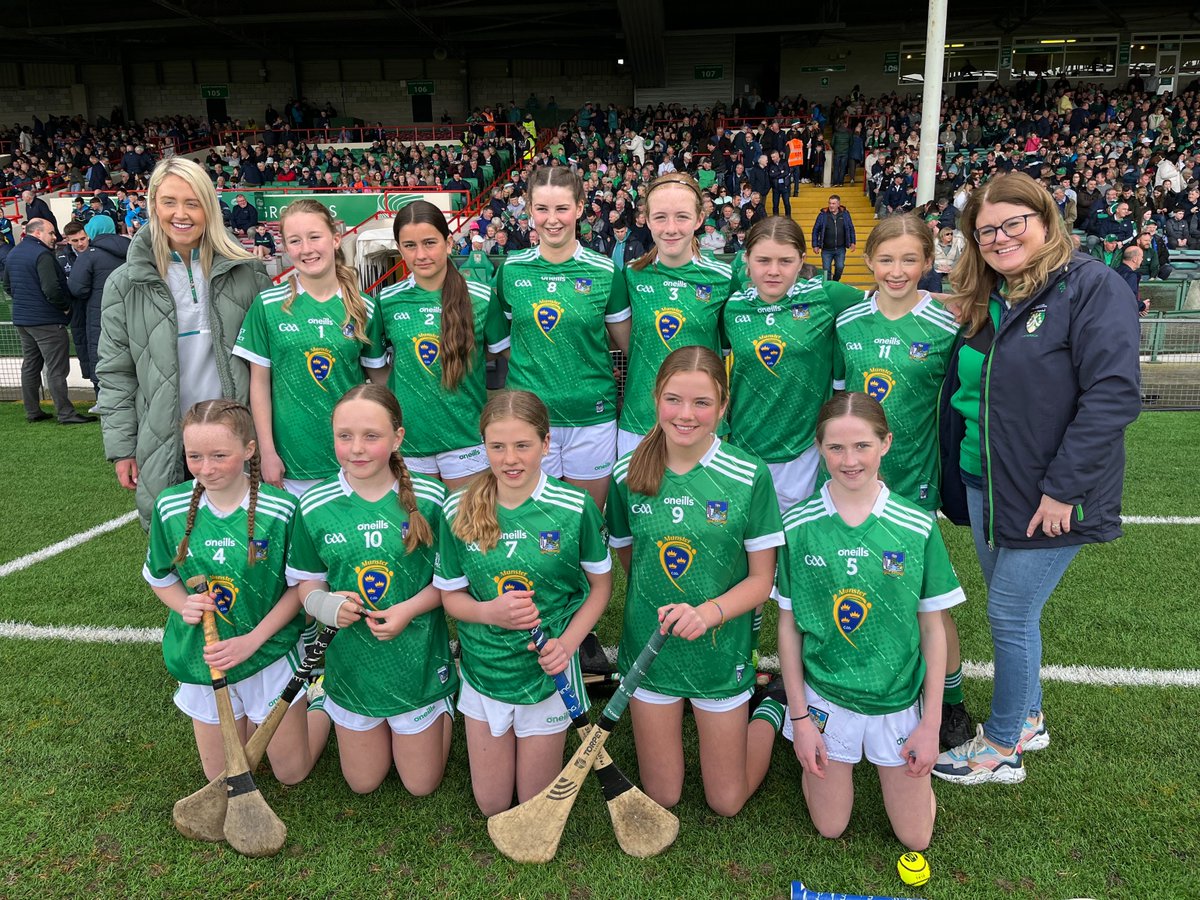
(362, 134)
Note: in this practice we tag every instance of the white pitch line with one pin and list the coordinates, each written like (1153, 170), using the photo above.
(1092, 675)
(29, 559)
(1161, 520)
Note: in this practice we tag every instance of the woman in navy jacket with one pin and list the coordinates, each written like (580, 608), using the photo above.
(1045, 382)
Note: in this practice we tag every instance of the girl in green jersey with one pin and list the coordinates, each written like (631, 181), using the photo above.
(234, 531)
(439, 326)
(308, 341)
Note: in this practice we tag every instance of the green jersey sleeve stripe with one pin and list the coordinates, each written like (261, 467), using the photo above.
(277, 294)
(264, 361)
(734, 462)
(901, 507)
(273, 513)
(595, 260)
(854, 312)
(563, 503)
(715, 265)
(564, 491)
(370, 306)
(942, 320)
(717, 465)
(764, 541)
(889, 514)
(314, 501)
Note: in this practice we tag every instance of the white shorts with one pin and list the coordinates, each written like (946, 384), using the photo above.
(627, 441)
(412, 722)
(461, 463)
(297, 486)
(795, 480)
(527, 719)
(251, 697)
(713, 706)
(847, 733)
(585, 453)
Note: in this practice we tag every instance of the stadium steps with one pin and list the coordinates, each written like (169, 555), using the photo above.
(812, 199)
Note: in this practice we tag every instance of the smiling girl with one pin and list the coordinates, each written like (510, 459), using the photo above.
(308, 341)
(861, 587)
(519, 548)
(440, 326)
(564, 304)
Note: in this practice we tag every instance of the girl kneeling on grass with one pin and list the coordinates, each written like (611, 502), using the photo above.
(368, 533)
(519, 548)
(235, 531)
(860, 589)
(695, 522)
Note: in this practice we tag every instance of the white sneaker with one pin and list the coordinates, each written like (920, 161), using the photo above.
(95, 410)
(1034, 735)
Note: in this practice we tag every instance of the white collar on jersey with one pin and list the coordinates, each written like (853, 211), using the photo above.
(579, 248)
(880, 501)
(347, 490)
(541, 485)
(711, 451)
(207, 504)
(924, 299)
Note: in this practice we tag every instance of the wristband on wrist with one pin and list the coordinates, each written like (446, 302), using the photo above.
(801, 718)
(323, 606)
(719, 610)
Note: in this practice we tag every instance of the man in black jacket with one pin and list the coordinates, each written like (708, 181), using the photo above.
(760, 176)
(41, 312)
(243, 216)
(94, 261)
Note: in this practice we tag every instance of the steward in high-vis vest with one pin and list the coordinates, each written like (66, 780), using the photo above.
(795, 152)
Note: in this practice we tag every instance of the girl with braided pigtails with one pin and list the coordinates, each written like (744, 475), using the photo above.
(234, 530)
(363, 554)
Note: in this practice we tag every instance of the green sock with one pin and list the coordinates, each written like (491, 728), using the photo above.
(770, 711)
(953, 693)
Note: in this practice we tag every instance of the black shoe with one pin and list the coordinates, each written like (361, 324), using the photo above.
(40, 417)
(78, 419)
(773, 689)
(956, 726)
(592, 659)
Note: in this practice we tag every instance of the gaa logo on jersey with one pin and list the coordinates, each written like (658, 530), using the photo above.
(428, 350)
(320, 363)
(668, 322)
(260, 547)
(850, 608)
(548, 541)
(878, 383)
(512, 580)
(717, 512)
(583, 285)
(769, 350)
(704, 292)
(918, 350)
(374, 579)
(800, 311)
(224, 593)
(893, 563)
(548, 314)
(676, 556)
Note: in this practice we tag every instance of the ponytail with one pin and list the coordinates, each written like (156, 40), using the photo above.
(476, 521)
(419, 532)
(255, 482)
(648, 463)
(458, 329)
(182, 552)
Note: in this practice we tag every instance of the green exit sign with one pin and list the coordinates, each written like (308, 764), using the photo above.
(420, 88)
(710, 73)
(891, 62)
(214, 92)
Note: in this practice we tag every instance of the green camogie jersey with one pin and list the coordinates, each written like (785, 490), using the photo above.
(689, 545)
(855, 594)
(313, 361)
(547, 544)
(671, 308)
(436, 420)
(901, 363)
(557, 315)
(357, 545)
(781, 365)
(218, 549)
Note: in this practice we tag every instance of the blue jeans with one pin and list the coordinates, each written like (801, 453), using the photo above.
(1019, 583)
(834, 260)
(841, 162)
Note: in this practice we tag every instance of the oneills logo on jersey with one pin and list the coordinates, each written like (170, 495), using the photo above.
(800, 311)
(893, 563)
(918, 350)
(668, 322)
(320, 364)
(261, 547)
(850, 608)
(374, 579)
(769, 350)
(224, 593)
(428, 349)
(704, 292)
(548, 314)
(548, 541)
(583, 285)
(717, 512)
(676, 555)
(878, 383)
(1035, 320)
(512, 580)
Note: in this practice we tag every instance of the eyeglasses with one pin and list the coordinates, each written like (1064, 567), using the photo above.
(1014, 227)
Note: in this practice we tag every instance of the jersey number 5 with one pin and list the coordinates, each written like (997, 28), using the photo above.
(851, 565)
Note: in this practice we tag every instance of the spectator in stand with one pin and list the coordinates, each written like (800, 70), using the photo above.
(780, 175)
(243, 216)
(1177, 229)
(759, 176)
(1108, 251)
(136, 217)
(1131, 261)
(591, 240)
(1156, 257)
(625, 248)
(97, 174)
(842, 137)
(712, 239)
(37, 208)
(832, 235)
(41, 311)
(264, 243)
(896, 198)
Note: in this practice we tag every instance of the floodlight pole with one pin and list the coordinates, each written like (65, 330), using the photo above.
(931, 100)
